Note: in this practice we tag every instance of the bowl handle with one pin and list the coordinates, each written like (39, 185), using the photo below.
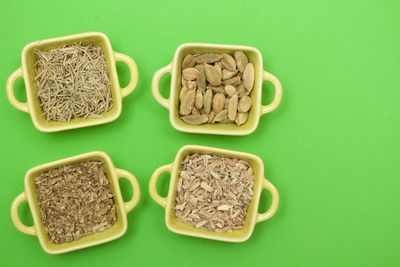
(275, 202)
(277, 96)
(133, 70)
(10, 91)
(162, 201)
(155, 83)
(135, 188)
(30, 230)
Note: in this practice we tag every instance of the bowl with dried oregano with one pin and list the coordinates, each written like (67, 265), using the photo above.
(75, 202)
(71, 82)
(214, 193)
(216, 89)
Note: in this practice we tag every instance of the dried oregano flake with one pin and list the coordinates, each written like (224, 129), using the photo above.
(73, 82)
(214, 192)
(75, 201)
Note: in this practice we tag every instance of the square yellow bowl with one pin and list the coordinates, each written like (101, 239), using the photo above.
(256, 110)
(38, 229)
(27, 72)
(252, 217)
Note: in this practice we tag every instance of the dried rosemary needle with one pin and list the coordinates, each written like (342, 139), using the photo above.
(73, 82)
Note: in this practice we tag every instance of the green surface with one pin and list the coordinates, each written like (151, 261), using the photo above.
(331, 149)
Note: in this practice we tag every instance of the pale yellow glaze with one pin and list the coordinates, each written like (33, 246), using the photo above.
(26, 71)
(253, 217)
(256, 111)
(123, 208)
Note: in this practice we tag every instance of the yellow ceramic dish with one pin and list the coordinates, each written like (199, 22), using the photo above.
(255, 112)
(27, 72)
(253, 217)
(123, 208)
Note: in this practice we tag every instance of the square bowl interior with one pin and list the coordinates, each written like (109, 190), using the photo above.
(254, 57)
(29, 59)
(116, 230)
(234, 236)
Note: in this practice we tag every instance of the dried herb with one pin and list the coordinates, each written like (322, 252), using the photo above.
(73, 82)
(214, 192)
(75, 201)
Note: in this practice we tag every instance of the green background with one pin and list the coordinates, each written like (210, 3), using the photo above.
(331, 149)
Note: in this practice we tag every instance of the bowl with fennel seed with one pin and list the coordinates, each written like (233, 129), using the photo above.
(214, 193)
(71, 82)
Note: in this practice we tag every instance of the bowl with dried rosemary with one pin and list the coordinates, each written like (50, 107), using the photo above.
(76, 202)
(214, 193)
(216, 89)
(71, 82)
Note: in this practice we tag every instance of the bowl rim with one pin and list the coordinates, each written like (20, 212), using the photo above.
(115, 89)
(42, 236)
(194, 232)
(209, 128)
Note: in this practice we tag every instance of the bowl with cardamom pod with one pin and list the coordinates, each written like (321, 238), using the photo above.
(75, 202)
(71, 82)
(216, 89)
(214, 193)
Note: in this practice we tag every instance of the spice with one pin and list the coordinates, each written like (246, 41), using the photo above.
(216, 87)
(214, 192)
(73, 82)
(75, 201)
